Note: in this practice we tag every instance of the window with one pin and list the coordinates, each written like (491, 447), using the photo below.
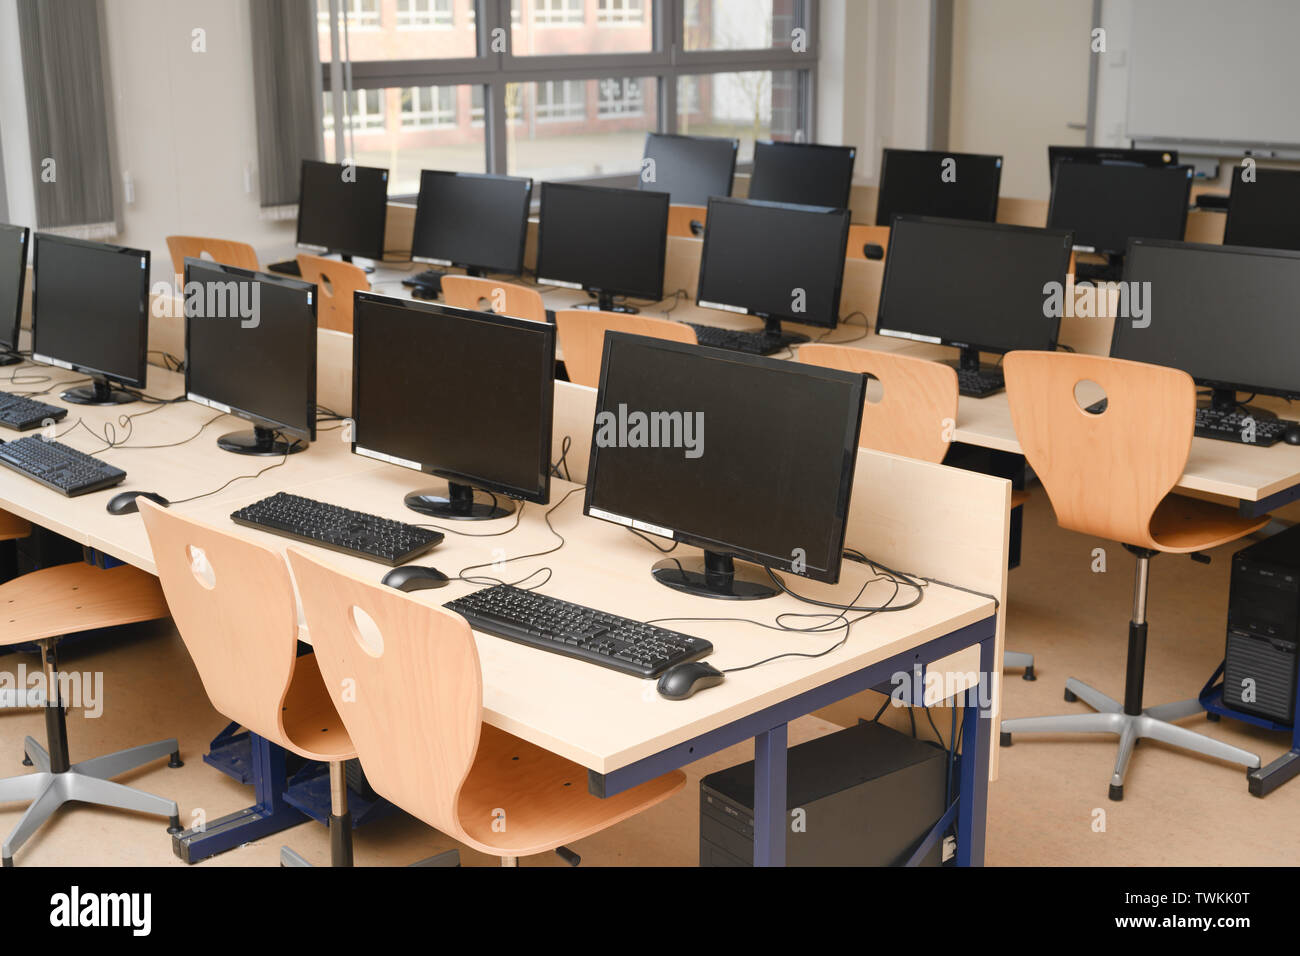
(747, 106)
(360, 14)
(560, 100)
(554, 13)
(416, 14)
(429, 107)
(476, 111)
(739, 24)
(620, 13)
(688, 96)
(620, 98)
(365, 110)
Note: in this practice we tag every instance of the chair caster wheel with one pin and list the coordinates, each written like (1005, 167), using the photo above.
(1029, 673)
(27, 761)
(1212, 716)
(8, 862)
(1117, 793)
(176, 760)
(1070, 696)
(1005, 739)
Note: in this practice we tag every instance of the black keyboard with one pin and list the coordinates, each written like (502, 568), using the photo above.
(22, 413)
(339, 529)
(55, 465)
(979, 383)
(573, 630)
(757, 342)
(1235, 426)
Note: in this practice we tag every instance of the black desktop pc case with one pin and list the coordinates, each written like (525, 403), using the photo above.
(1264, 628)
(868, 795)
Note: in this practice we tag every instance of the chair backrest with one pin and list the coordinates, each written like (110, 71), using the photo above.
(405, 678)
(227, 252)
(680, 217)
(580, 334)
(917, 410)
(233, 603)
(1106, 473)
(335, 282)
(503, 298)
(860, 235)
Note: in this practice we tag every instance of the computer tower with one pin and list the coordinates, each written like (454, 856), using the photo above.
(1259, 673)
(868, 795)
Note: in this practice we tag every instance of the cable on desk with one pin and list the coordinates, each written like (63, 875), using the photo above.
(866, 330)
(171, 444)
(476, 579)
(486, 534)
(677, 297)
(565, 445)
(170, 362)
(288, 451)
(653, 543)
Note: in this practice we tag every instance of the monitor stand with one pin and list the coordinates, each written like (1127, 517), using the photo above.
(260, 441)
(714, 576)
(605, 303)
(1225, 400)
(1112, 270)
(347, 257)
(970, 362)
(10, 358)
(461, 503)
(99, 392)
(772, 329)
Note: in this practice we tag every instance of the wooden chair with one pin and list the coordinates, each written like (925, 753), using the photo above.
(13, 527)
(503, 298)
(683, 220)
(417, 719)
(914, 417)
(1111, 475)
(41, 607)
(233, 603)
(581, 337)
(228, 252)
(335, 282)
(860, 236)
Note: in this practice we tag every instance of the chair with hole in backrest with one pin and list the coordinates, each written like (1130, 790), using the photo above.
(687, 221)
(335, 282)
(416, 716)
(233, 603)
(503, 298)
(227, 252)
(1110, 475)
(580, 334)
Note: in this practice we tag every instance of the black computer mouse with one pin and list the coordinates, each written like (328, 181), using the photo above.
(414, 577)
(1292, 434)
(683, 680)
(873, 250)
(124, 504)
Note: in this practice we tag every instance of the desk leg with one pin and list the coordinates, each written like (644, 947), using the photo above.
(976, 735)
(769, 797)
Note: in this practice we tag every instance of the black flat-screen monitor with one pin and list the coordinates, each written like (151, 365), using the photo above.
(778, 261)
(90, 314)
(342, 208)
(1225, 315)
(810, 174)
(611, 242)
(691, 169)
(13, 278)
(463, 395)
(1106, 206)
(1264, 210)
(475, 221)
(250, 351)
(973, 285)
(744, 456)
(922, 182)
(1109, 156)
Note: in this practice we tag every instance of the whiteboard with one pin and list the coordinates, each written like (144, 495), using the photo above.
(1215, 71)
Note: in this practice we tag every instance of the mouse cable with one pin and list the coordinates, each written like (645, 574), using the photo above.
(486, 534)
(866, 330)
(171, 444)
(565, 445)
(483, 579)
(653, 543)
(288, 451)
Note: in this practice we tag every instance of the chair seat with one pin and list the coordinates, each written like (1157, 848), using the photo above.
(311, 723)
(70, 598)
(1182, 524)
(544, 798)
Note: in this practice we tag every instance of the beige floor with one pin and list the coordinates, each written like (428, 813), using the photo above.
(1049, 806)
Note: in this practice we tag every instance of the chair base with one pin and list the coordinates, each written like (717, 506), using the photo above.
(1154, 723)
(85, 782)
(1020, 659)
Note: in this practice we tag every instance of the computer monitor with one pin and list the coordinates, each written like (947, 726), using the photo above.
(607, 241)
(922, 182)
(13, 277)
(691, 169)
(1264, 210)
(744, 456)
(342, 208)
(250, 351)
(810, 174)
(777, 261)
(90, 314)
(1225, 315)
(1109, 156)
(972, 285)
(466, 397)
(1105, 206)
(475, 221)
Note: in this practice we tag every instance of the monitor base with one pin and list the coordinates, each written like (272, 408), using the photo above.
(1225, 400)
(10, 358)
(461, 503)
(714, 576)
(100, 393)
(597, 307)
(260, 441)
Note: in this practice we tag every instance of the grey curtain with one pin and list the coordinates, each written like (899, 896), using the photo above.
(64, 76)
(287, 94)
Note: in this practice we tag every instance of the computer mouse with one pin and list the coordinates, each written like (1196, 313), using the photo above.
(1292, 434)
(124, 504)
(414, 577)
(683, 680)
(873, 250)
